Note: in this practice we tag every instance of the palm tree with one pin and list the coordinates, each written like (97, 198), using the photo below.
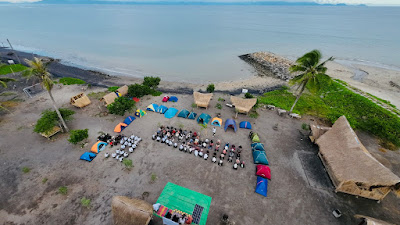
(38, 69)
(312, 73)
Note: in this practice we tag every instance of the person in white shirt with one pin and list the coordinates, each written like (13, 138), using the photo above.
(214, 130)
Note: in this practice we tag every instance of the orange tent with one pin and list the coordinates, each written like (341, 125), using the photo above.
(98, 147)
(120, 127)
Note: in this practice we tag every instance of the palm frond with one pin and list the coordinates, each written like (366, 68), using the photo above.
(297, 68)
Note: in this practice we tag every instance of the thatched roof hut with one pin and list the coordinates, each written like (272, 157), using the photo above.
(371, 221)
(123, 90)
(128, 211)
(202, 100)
(110, 97)
(352, 168)
(243, 105)
(317, 131)
(80, 100)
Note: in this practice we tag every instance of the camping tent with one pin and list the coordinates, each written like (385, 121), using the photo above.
(192, 115)
(257, 146)
(245, 124)
(152, 107)
(184, 113)
(88, 156)
(80, 100)
(131, 211)
(162, 109)
(98, 147)
(203, 118)
(139, 113)
(230, 123)
(165, 99)
(255, 138)
(128, 120)
(260, 157)
(120, 127)
(216, 121)
(202, 100)
(171, 112)
(264, 171)
(352, 169)
(173, 99)
(110, 97)
(262, 186)
(243, 105)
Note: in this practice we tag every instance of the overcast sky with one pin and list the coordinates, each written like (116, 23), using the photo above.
(368, 2)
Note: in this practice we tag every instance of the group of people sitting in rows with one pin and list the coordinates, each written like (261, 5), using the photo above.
(190, 142)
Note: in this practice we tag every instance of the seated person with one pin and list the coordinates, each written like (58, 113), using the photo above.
(206, 155)
(242, 164)
(181, 147)
(235, 166)
(237, 161)
(222, 156)
(196, 152)
(230, 159)
(214, 159)
(201, 153)
(220, 163)
(240, 149)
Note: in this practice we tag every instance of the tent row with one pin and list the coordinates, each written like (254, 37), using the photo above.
(260, 158)
(96, 148)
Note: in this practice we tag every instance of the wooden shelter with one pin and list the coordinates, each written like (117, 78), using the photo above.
(128, 211)
(366, 220)
(243, 105)
(110, 97)
(352, 169)
(202, 100)
(80, 100)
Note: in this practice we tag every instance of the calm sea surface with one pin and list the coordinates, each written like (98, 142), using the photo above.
(198, 42)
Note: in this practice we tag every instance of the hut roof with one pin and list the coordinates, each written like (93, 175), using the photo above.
(243, 105)
(123, 90)
(80, 100)
(202, 100)
(349, 162)
(131, 211)
(109, 98)
(372, 221)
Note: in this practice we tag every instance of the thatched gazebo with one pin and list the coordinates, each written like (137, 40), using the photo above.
(352, 169)
(371, 221)
(202, 100)
(131, 211)
(110, 97)
(80, 100)
(243, 105)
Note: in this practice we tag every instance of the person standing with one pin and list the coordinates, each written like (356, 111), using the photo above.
(214, 130)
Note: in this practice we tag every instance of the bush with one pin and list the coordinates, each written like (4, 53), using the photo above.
(153, 177)
(50, 119)
(194, 105)
(128, 163)
(7, 69)
(121, 105)
(210, 88)
(151, 82)
(221, 99)
(156, 93)
(139, 90)
(76, 136)
(71, 80)
(113, 88)
(305, 126)
(85, 202)
(248, 95)
(26, 169)
(63, 190)
(218, 106)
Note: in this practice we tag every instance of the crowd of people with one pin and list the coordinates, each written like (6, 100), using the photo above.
(191, 142)
(128, 145)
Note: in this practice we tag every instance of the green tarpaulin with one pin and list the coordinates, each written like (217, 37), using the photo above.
(176, 197)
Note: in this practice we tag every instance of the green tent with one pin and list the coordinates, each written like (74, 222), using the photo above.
(255, 138)
(176, 197)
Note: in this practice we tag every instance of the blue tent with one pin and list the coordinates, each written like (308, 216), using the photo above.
(171, 112)
(192, 115)
(162, 109)
(262, 186)
(152, 107)
(230, 123)
(203, 118)
(88, 156)
(245, 124)
(260, 157)
(173, 99)
(184, 113)
(129, 120)
(258, 146)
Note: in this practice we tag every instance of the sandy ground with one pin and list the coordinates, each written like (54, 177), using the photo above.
(300, 191)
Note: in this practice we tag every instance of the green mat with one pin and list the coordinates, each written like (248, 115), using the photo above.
(176, 197)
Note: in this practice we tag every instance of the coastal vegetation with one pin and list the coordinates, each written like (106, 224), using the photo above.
(14, 68)
(26, 169)
(120, 106)
(71, 80)
(49, 119)
(113, 88)
(63, 190)
(151, 82)
(210, 88)
(77, 136)
(148, 87)
(85, 202)
(248, 95)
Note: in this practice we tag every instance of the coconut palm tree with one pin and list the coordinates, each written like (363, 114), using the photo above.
(312, 73)
(38, 69)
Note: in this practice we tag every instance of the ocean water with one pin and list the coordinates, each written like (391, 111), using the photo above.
(198, 43)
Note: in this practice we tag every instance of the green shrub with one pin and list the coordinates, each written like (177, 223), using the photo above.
(44, 180)
(305, 126)
(151, 82)
(71, 80)
(113, 88)
(156, 93)
(26, 169)
(63, 190)
(253, 114)
(7, 69)
(194, 105)
(121, 105)
(218, 106)
(76, 136)
(153, 177)
(85, 202)
(139, 90)
(210, 88)
(50, 119)
(248, 95)
(127, 163)
(221, 99)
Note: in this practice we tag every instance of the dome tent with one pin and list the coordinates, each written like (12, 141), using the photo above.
(230, 123)
(184, 113)
(171, 112)
(98, 147)
(262, 186)
(203, 118)
(216, 121)
(173, 99)
(88, 156)
(152, 107)
(257, 146)
(245, 124)
(264, 171)
(139, 113)
(260, 157)
(162, 109)
(128, 120)
(120, 127)
(192, 116)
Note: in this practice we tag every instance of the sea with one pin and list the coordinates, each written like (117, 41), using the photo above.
(199, 43)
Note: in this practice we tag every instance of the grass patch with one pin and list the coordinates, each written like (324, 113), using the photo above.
(26, 169)
(97, 95)
(221, 99)
(181, 126)
(10, 104)
(4, 94)
(7, 69)
(44, 180)
(253, 114)
(218, 106)
(194, 105)
(382, 100)
(334, 100)
(63, 190)
(71, 80)
(113, 88)
(128, 163)
(156, 93)
(153, 177)
(85, 202)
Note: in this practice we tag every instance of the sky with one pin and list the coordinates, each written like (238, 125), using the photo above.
(368, 2)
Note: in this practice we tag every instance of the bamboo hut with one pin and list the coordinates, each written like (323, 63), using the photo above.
(366, 220)
(352, 169)
(128, 211)
(110, 97)
(317, 131)
(80, 100)
(202, 100)
(123, 90)
(243, 105)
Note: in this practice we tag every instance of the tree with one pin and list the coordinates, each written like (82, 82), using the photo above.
(50, 118)
(38, 69)
(121, 105)
(210, 88)
(312, 73)
(151, 82)
(138, 90)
